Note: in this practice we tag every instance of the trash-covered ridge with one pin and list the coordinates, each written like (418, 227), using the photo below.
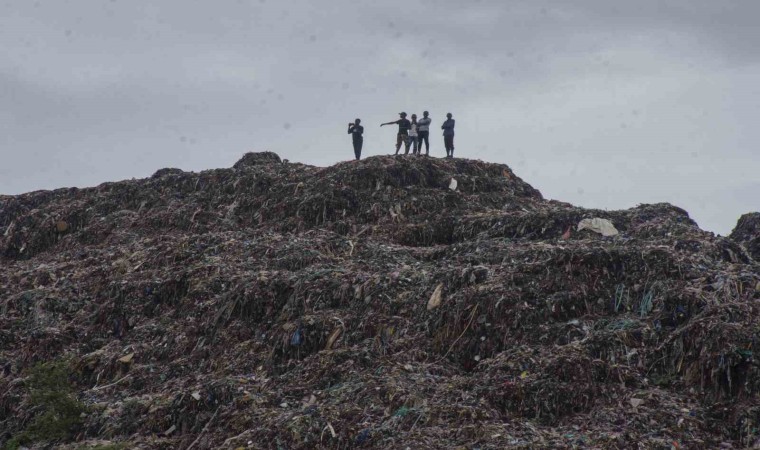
(386, 303)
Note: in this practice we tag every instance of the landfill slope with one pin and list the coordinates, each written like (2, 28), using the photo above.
(276, 305)
(747, 232)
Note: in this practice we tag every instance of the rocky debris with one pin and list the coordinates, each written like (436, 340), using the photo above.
(368, 305)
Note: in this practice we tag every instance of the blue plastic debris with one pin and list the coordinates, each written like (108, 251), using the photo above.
(297, 338)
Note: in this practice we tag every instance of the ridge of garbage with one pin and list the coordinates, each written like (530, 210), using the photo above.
(383, 303)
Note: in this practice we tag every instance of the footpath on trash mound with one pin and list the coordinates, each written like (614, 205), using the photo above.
(386, 303)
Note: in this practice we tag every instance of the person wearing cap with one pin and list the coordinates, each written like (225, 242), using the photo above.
(412, 141)
(423, 132)
(448, 135)
(356, 131)
(403, 130)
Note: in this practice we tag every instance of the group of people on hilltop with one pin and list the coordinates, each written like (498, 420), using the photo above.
(412, 134)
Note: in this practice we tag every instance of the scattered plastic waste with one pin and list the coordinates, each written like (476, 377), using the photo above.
(362, 305)
(597, 225)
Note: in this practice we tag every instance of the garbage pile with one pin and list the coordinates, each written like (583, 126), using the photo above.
(747, 232)
(386, 303)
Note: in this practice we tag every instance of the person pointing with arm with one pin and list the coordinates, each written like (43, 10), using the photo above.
(403, 129)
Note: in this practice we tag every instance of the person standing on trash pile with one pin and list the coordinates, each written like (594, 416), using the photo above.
(423, 133)
(403, 130)
(412, 141)
(448, 135)
(356, 131)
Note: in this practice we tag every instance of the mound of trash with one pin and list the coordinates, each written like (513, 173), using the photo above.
(747, 232)
(386, 303)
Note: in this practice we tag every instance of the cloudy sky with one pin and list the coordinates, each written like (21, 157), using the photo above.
(602, 103)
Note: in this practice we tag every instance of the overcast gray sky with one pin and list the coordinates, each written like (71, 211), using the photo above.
(602, 103)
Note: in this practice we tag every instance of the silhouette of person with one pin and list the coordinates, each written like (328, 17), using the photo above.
(448, 135)
(403, 130)
(356, 131)
(412, 141)
(423, 132)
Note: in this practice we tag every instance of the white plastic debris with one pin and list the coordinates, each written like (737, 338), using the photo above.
(435, 299)
(453, 184)
(598, 225)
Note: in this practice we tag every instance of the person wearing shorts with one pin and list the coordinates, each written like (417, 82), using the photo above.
(403, 130)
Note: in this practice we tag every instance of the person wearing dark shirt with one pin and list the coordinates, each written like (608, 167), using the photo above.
(423, 131)
(356, 131)
(448, 135)
(403, 130)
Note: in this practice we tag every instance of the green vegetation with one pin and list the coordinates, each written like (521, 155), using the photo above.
(52, 394)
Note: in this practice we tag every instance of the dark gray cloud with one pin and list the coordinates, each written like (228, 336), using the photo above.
(604, 104)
